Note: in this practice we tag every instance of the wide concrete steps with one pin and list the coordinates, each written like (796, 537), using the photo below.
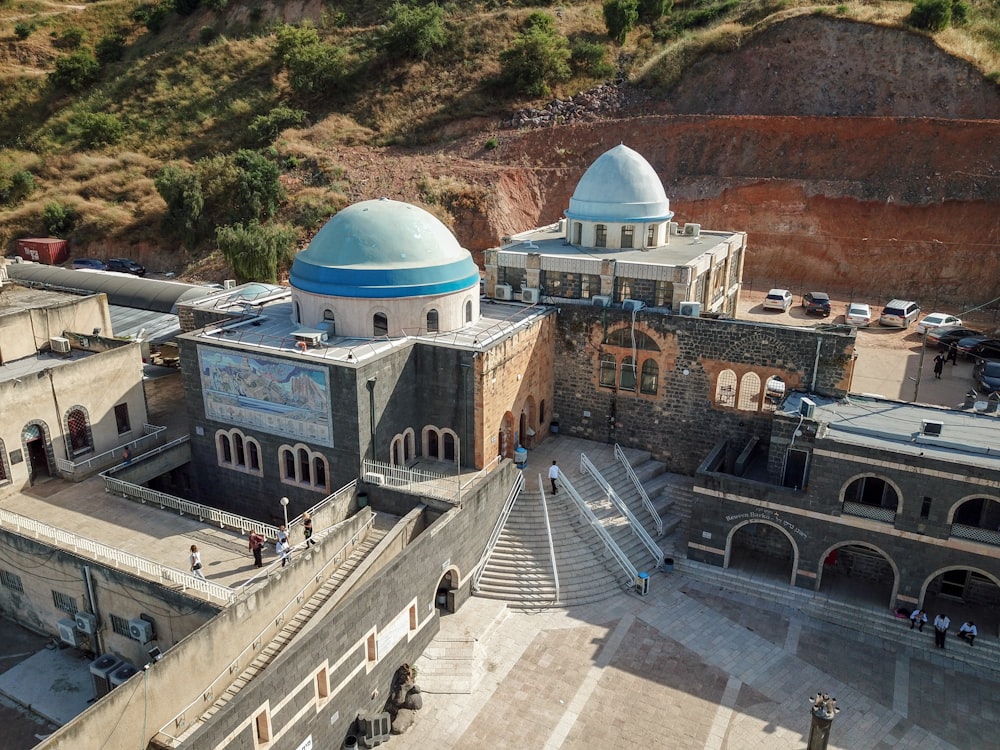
(457, 659)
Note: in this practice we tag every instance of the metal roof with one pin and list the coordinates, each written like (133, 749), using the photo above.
(121, 289)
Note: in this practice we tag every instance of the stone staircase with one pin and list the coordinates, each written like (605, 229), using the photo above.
(456, 660)
(520, 569)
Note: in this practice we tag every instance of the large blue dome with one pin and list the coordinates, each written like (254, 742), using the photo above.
(383, 249)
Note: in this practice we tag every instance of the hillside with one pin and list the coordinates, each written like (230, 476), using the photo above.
(835, 142)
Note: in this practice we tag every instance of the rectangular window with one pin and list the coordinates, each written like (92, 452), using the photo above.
(371, 648)
(925, 508)
(628, 375)
(600, 236)
(651, 235)
(121, 417)
(65, 602)
(609, 370)
(119, 625)
(11, 581)
(628, 236)
(263, 724)
(322, 685)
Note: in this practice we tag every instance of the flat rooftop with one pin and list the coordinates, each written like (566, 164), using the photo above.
(15, 298)
(271, 329)
(680, 251)
(39, 363)
(969, 438)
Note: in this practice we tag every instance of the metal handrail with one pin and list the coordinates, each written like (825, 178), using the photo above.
(657, 521)
(508, 506)
(616, 552)
(69, 466)
(119, 558)
(482, 472)
(637, 528)
(275, 625)
(548, 531)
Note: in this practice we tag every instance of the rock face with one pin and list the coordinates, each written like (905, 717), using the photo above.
(405, 700)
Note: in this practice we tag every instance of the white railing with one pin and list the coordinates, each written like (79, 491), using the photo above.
(613, 549)
(508, 506)
(874, 512)
(657, 521)
(114, 557)
(418, 481)
(481, 473)
(151, 435)
(236, 665)
(548, 533)
(637, 528)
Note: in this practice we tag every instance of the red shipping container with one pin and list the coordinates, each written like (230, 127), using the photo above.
(43, 250)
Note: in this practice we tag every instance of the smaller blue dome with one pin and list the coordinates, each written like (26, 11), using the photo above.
(383, 249)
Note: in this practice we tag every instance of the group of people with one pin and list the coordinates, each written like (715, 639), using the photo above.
(950, 356)
(968, 631)
(282, 546)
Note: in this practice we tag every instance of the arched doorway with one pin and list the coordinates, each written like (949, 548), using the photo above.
(444, 598)
(34, 436)
(764, 549)
(964, 594)
(859, 573)
(505, 438)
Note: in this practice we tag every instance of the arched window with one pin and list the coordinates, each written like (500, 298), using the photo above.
(432, 321)
(468, 311)
(303, 467)
(78, 431)
(319, 471)
(4, 471)
(628, 236)
(774, 391)
(304, 458)
(253, 451)
(449, 447)
(237, 452)
(541, 412)
(380, 324)
(628, 374)
(609, 370)
(287, 464)
(725, 388)
(225, 448)
(650, 377)
(600, 235)
(409, 451)
(432, 444)
(749, 396)
(296, 313)
(330, 321)
(871, 497)
(577, 233)
(627, 339)
(239, 455)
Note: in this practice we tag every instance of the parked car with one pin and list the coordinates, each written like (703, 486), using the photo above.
(817, 303)
(899, 313)
(937, 320)
(778, 299)
(947, 335)
(986, 373)
(858, 314)
(125, 265)
(92, 264)
(986, 349)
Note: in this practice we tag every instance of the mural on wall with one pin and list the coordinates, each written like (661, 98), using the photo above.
(268, 394)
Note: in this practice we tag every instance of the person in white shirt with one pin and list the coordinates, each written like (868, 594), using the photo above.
(941, 624)
(968, 631)
(195, 560)
(919, 618)
(553, 476)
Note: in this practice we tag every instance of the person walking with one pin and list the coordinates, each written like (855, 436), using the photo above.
(919, 618)
(553, 476)
(938, 366)
(284, 550)
(195, 560)
(307, 528)
(126, 456)
(968, 631)
(953, 354)
(257, 548)
(941, 624)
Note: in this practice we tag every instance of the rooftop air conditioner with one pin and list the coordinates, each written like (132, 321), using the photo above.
(503, 291)
(931, 427)
(600, 300)
(86, 623)
(229, 284)
(633, 305)
(675, 228)
(101, 670)
(690, 309)
(530, 294)
(309, 338)
(374, 478)
(807, 408)
(59, 344)
(122, 673)
(68, 633)
(692, 230)
(140, 630)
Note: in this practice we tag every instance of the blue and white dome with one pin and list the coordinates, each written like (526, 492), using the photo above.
(382, 249)
(619, 187)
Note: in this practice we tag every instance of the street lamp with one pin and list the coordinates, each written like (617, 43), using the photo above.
(823, 709)
(284, 509)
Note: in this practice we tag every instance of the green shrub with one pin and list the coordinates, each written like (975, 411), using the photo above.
(290, 38)
(959, 12)
(206, 34)
(15, 185)
(491, 143)
(217, 5)
(930, 15)
(414, 31)
(591, 59)
(180, 189)
(110, 48)
(265, 128)
(75, 71)
(256, 251)
(152, 15)
(93, 129)
(70, 38)
(654, 10)
(258, 188)
(23, 29)
(58, 219)
(186, 7)
(539, 57)
(620, 17)
(316, 67)
(256, 14)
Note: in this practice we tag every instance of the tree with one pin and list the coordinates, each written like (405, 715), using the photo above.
(75, 71)
(181, 191)
(930, 15)
(111, 48)
(540, 56)
(15, 184)
(58, 219)
(653, 10)
(94, 129)
(620, 17)
(316, 67)
(264, 129)
(255, 251)
(258, 189)
(414, 31)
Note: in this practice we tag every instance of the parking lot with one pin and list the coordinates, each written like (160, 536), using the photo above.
(891, 362)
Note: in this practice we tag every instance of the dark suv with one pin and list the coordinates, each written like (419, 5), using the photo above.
(816, 302)
(125, 265)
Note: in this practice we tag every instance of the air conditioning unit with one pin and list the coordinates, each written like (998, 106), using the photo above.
(59, 344)
(600, 300)
(690, 309)
(675, 228)
(229, 284)
(140, 630)
(530, 294)
(68, 633)
(86, 623)
(692, 230)
(633, 305)
(122, 673)
(807, 408)
(101, 670)
(372, 477)
(503, 291)
(931, 427)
